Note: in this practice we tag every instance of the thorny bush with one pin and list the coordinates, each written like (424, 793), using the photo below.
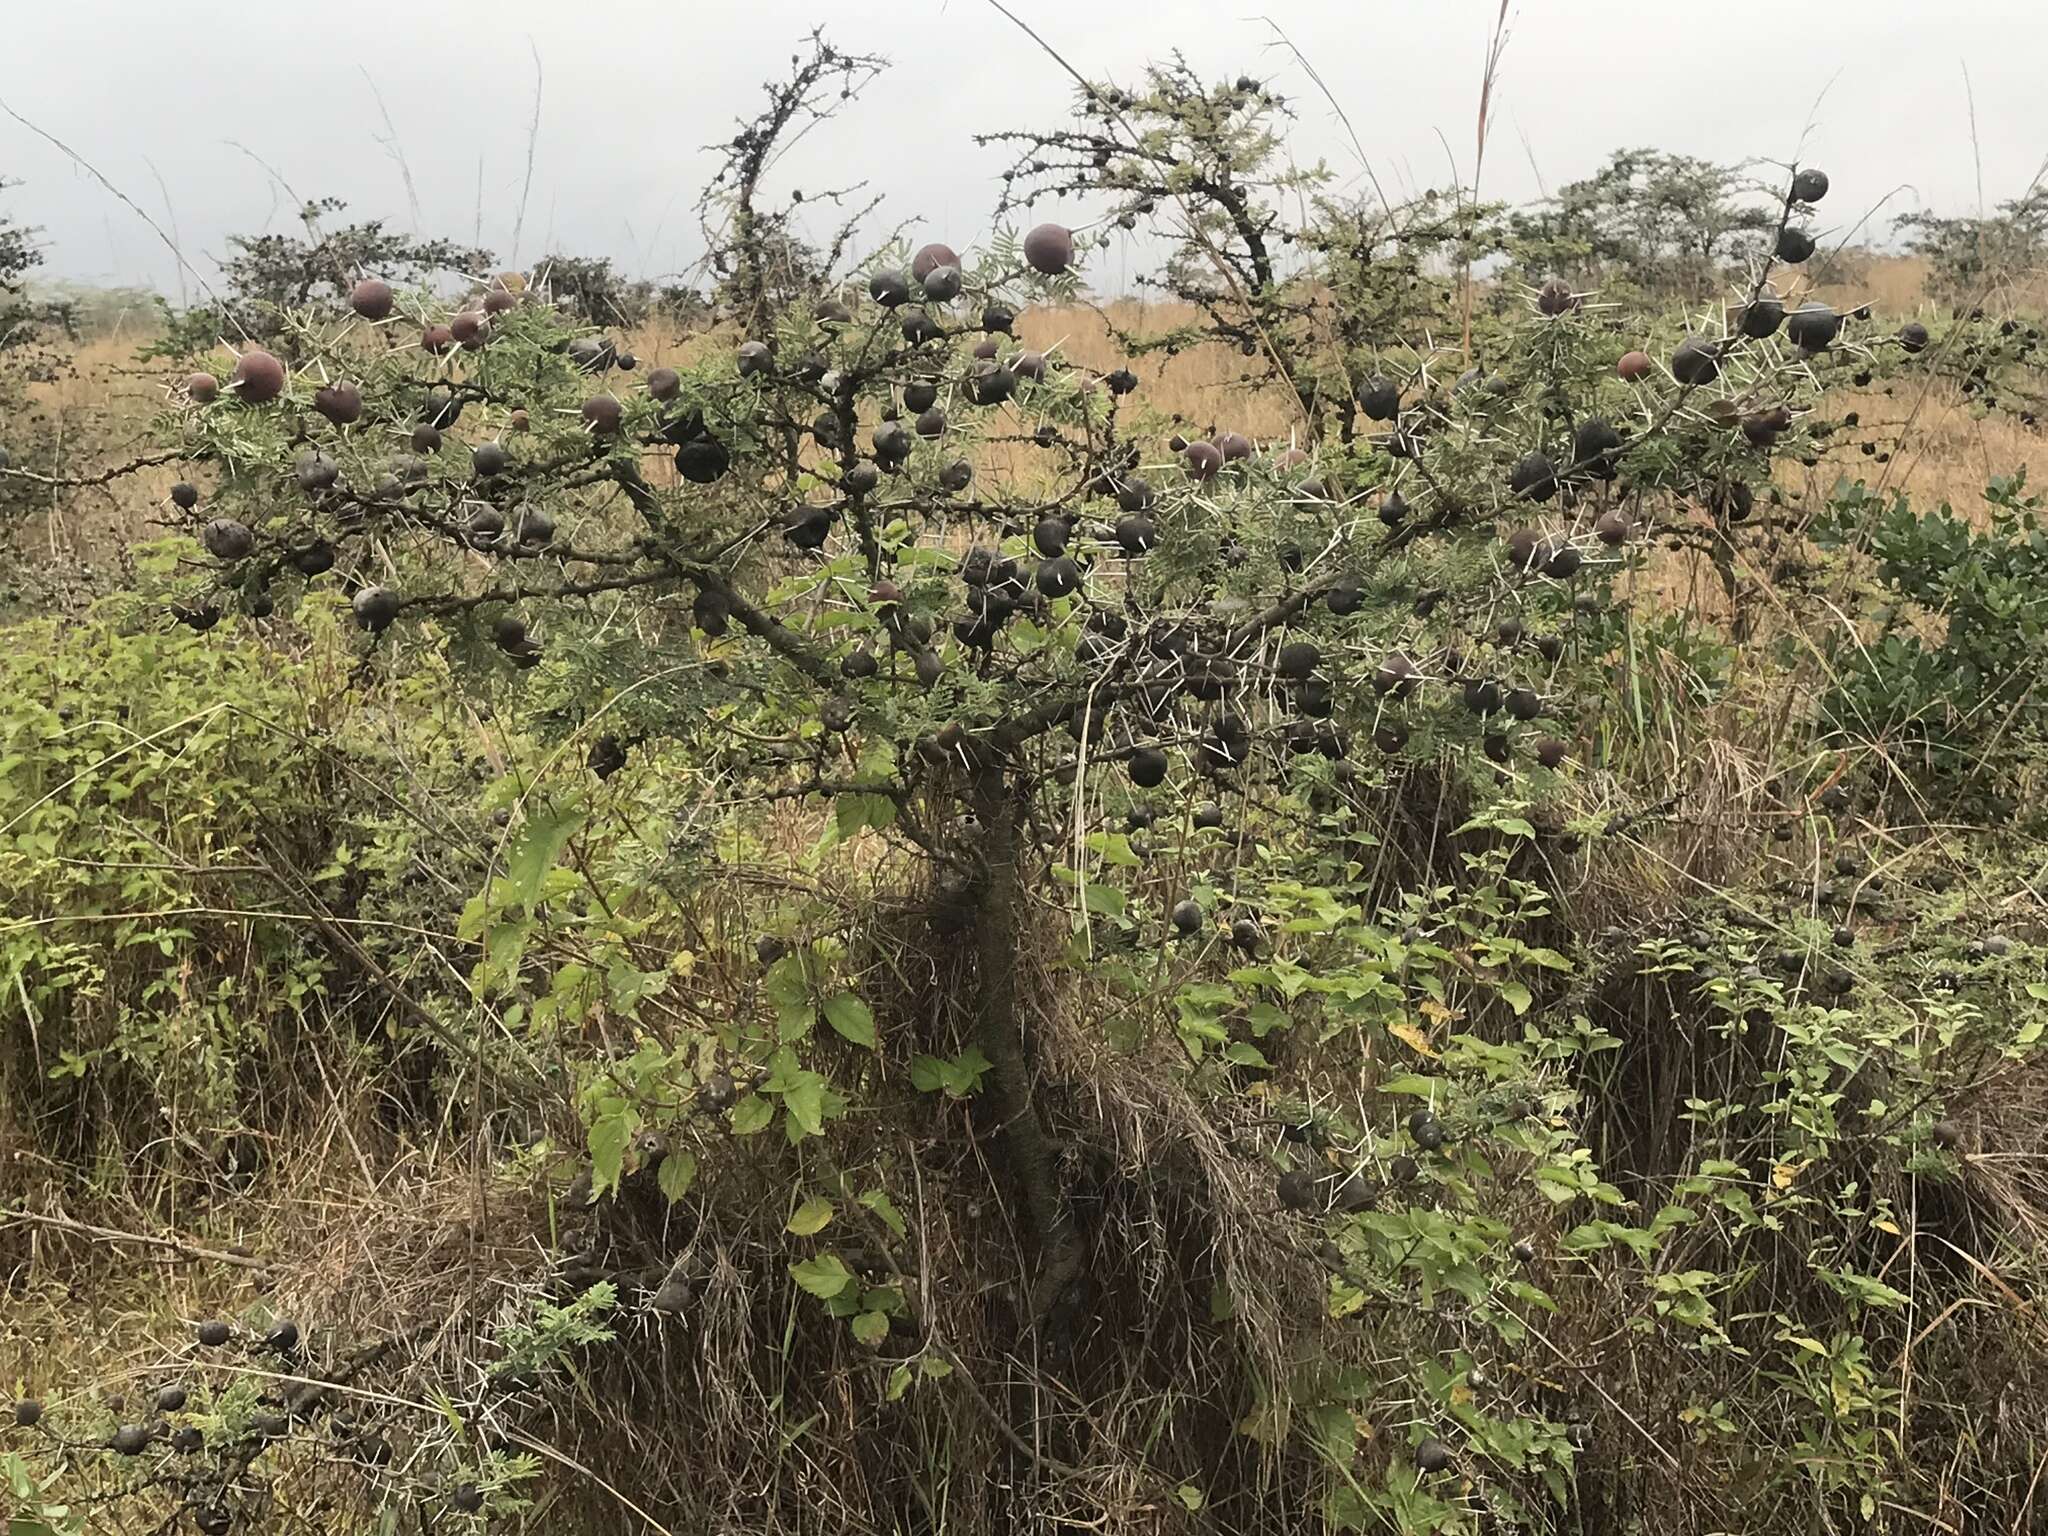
(1054, 966)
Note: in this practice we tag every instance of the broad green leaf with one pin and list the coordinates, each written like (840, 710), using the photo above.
(752, 1115)
(824, 1277)
(541, 838)
(1113, 848)
(610, 1132)
(899, 1383)
(678, 1172)
(805, 1102)
(1516, 996)
(1412, 1084)
(850, 1017)
(871, 1327)
(786, 985)
(813, 1216)
(1103, 900)
(878, 1202)
(856, 810)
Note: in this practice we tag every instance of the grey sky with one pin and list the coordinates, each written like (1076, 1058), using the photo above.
(634, 88)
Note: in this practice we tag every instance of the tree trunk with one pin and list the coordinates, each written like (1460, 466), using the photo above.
(1028, 1153)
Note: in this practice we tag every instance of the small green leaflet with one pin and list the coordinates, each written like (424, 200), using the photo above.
(858, 809)
(787, 987)
(960, 1078)
(1103, 900)
(1112, 848)
(1411, 1083)
(871, 1327)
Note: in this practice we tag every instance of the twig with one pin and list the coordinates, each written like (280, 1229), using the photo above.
(395, 150)
(1494, 49)
(177, 246)
(113, 1235)
(93, 171)
(532, 139)
(104, 477)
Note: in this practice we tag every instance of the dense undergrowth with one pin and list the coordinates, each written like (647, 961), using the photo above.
(1481, 974)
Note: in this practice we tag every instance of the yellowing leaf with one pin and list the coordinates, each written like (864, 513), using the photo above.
(1436, 1012)
(814, 1215)
(1885, 1224)
(1407, 1033)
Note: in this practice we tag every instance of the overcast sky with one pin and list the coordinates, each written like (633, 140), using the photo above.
(633, 89)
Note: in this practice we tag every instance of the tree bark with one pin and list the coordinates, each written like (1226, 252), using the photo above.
(1029, 1155)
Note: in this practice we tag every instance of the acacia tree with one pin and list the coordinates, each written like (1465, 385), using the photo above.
(1673, 224)
(1970, 259)
(268, 279)
(1311, 302)
(1181, 1071)
(23, 319)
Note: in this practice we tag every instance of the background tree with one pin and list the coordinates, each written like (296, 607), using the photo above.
(592, 288)
(1674, 225)
(1208, 160)
(28, 324)
(1972, 259)
(267, 276)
